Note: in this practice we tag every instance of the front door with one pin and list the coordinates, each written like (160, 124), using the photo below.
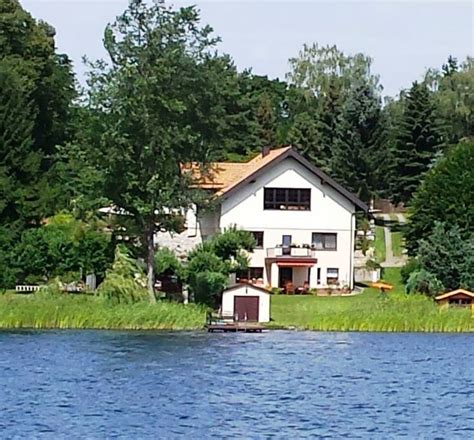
(246, 308)
(286, 276)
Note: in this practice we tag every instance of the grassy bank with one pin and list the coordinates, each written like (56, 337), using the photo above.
(88, 312)
(369, 311)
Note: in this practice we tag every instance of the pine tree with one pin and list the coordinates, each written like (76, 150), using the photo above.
(359, 137)
(305, 137)
(417, 143)
(266, 122)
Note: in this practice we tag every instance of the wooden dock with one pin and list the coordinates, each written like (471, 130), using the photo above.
(234, 327)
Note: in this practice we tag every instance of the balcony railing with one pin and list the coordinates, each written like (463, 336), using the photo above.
(277, 252)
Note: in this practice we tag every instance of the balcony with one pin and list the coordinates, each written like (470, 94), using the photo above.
(289, 252)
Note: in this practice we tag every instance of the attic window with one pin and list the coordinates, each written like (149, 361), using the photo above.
(287, 199)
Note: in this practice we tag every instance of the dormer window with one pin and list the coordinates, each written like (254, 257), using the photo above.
(287, 199)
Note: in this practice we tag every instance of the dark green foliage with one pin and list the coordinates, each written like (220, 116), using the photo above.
(412, 265)
(305, 136)
(165, 92)
(36, 92)
(422, 281)
(418, 141)
(448, 256)
(166, 262)
(256, 115)
(223, 254)
(208, 286)
(266, 122)
(358, 142)
(446, 195)
(61, 248)
(230, 243)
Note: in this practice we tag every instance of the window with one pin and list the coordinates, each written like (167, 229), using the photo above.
(258, 237)
(291, 199)
(252, 273)
(318, 276)
(324, 241)
(332, 276)
(459, 302)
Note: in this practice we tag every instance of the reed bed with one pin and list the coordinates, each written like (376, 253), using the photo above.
(370, 311)
(89, 312)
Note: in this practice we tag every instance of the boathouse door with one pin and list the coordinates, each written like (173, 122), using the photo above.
(246, 308)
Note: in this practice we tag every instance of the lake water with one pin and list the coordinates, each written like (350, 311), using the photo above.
(133, 385)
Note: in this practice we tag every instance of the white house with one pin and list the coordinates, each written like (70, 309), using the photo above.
(302, 220)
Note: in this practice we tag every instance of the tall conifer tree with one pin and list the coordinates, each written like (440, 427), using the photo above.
(418, 140)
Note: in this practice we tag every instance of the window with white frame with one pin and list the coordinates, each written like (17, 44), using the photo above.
(332, 276)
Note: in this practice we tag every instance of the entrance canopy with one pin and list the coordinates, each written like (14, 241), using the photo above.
(296, 263)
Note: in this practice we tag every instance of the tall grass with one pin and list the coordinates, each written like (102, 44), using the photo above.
(88, 312)
(370, 311)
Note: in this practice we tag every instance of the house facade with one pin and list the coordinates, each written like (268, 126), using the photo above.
(302, 220)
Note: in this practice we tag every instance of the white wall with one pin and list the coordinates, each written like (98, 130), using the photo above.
(246, 290)
(330, 212)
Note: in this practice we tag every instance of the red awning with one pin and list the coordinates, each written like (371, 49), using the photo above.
(295, 263)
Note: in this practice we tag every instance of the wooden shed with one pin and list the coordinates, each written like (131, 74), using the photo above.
(246, 302)
(456, 298)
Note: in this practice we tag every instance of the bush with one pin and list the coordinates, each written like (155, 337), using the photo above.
(166, 261)
(422, 281)
(211, 263)
(125, 281)
(411, 265)
(208, 286)
(63, 245)
(447, 255)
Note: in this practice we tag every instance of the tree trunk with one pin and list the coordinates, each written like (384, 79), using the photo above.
(150, 257)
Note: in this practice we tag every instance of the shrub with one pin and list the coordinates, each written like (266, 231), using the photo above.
(211, 263)
(208, 286)
(166, 261)
(62, 246)
(411, 265)
(447, 255)
(125, 281)
(422, 281)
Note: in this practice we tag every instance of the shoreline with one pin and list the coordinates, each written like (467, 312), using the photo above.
(202, 329)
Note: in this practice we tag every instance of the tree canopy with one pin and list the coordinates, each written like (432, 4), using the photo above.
(446, 195)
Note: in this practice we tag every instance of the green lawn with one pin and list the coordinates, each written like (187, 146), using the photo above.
(397, 243)
(379, 244)
(369, 311)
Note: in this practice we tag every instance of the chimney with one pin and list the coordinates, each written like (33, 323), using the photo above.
(265, 151)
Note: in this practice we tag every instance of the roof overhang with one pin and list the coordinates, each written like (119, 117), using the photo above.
(465, 292)
(294, 262)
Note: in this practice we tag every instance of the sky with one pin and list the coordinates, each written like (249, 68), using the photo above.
(404, 38)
